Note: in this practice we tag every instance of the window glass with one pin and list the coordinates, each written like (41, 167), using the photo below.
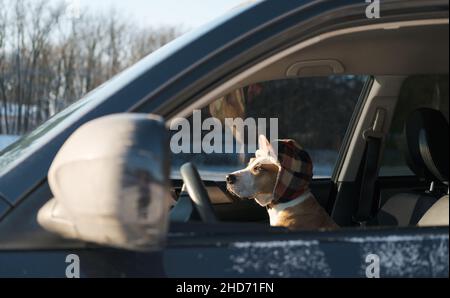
(313, 111)
(52, 53)
(423, 91)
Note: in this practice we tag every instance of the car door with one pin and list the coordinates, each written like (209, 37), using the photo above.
(389, 252)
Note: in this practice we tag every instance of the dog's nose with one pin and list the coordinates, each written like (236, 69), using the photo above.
(231, 179)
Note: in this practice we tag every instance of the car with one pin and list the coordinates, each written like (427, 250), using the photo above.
(342, 82)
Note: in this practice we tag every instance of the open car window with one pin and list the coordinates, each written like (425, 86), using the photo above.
(314, 111)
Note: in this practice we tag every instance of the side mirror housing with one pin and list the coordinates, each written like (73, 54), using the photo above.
(110, 183)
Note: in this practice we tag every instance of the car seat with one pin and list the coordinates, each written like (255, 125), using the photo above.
(426, 149)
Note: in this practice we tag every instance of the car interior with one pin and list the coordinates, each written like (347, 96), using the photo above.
(403, 110)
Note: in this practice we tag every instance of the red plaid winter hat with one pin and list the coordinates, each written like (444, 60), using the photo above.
(296, 171)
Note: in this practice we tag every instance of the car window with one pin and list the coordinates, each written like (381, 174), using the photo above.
(430, 91)
(51, 58)
(313, 111)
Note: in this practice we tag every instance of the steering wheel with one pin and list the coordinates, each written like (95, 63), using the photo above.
(197, 192)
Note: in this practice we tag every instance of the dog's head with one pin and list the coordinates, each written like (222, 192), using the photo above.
(257, 181)
(273, 176)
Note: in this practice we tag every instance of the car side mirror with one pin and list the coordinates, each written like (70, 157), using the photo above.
(110, 183)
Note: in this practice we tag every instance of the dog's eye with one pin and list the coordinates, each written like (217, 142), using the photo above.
(258, 169)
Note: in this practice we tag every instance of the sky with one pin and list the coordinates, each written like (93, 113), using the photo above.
(187, 13)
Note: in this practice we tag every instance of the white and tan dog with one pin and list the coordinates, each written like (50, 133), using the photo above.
(280, 181)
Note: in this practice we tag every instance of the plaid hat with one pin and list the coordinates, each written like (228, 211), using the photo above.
(296, 171)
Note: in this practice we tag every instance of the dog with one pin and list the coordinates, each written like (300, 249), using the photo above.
(280, 181)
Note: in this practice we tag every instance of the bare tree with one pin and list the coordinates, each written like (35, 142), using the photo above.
(4, 123)
(146, 41)
(48, 60)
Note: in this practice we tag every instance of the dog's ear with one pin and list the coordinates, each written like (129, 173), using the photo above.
(265, 146)
(263, 143)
